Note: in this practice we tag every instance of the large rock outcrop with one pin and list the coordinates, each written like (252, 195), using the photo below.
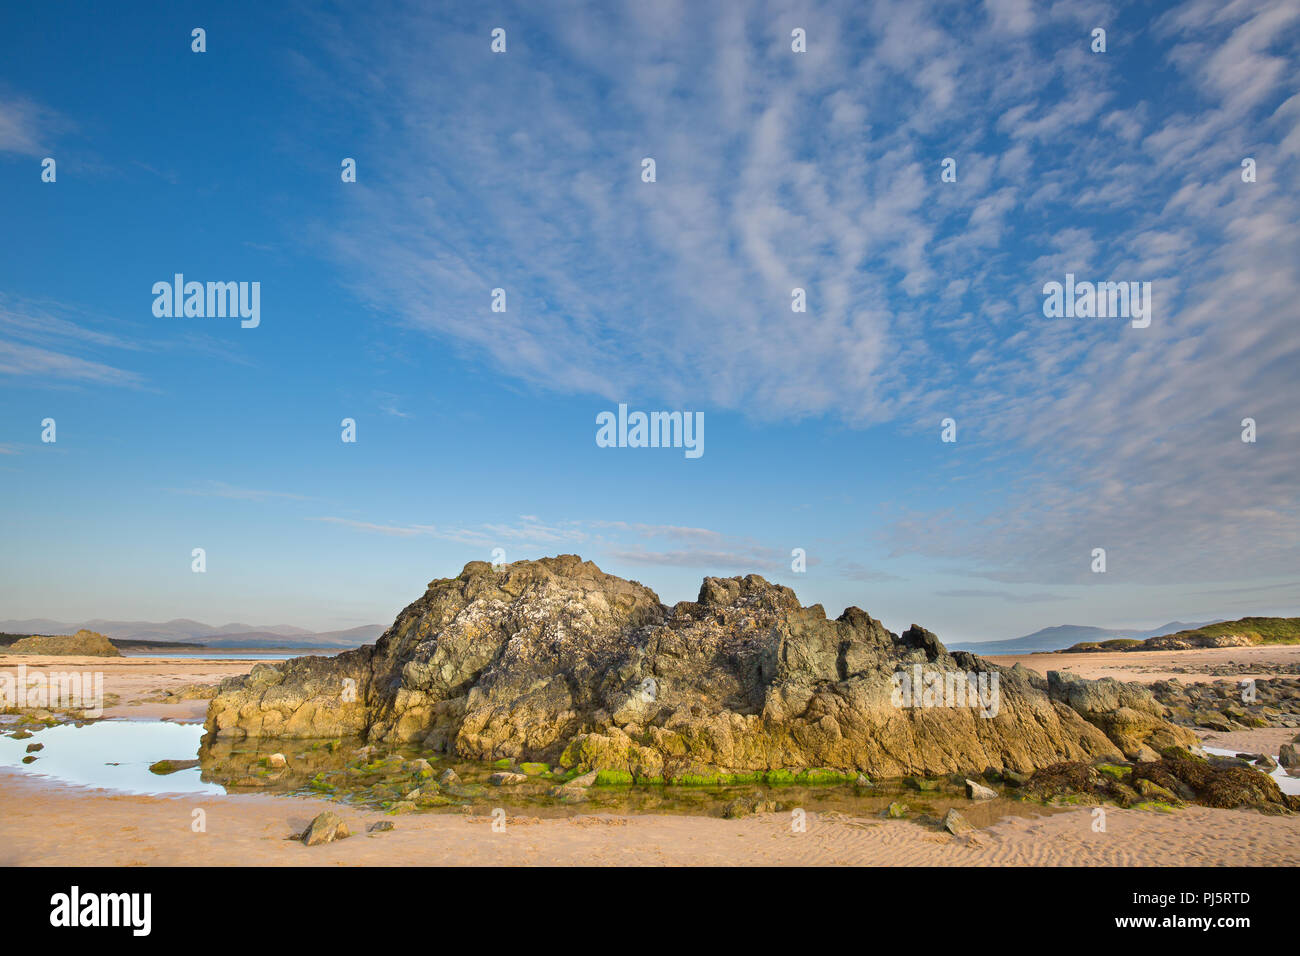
(555, 660)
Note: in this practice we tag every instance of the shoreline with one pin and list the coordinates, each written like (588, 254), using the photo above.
(48, 822)
(97, 828)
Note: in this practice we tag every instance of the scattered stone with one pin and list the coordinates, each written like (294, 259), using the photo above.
(896, 810)
(534, 769)
(164, 767)
(956, 824)
(326, 828)
(1289, 757)
(977, 791)
(449, 778)
(21, 734)
(586, 780)
(35, 748)
(506, 778)
(744, 806)
(862, 781)
(1151, 790)
(382, 826)
(1015, 778)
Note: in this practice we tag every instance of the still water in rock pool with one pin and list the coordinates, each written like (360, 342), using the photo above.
(113, 754)
(117, 754)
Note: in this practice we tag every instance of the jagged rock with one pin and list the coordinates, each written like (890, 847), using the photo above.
(956, 824)
(1127, 713)
(555, 661)
(82, 644)
(449, 778)
(326, 828)
(1289, 757)
(977, 791)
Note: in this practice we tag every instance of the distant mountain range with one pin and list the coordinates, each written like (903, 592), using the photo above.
(183, 630)
(1067, 635)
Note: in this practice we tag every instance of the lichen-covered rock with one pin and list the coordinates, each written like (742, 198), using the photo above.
(555, 661)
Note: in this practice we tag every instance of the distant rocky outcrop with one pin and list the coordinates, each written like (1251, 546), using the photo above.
(1246, 632)
(82, 644)
(553, 660)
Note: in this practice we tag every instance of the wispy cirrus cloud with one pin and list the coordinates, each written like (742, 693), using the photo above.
(219, 489)
(821, 171)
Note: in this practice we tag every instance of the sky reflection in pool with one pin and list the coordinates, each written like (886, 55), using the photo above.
(113, 754)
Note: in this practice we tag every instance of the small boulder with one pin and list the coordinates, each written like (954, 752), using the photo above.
(164, 767)
(586, 780)
(449, 778)
(977, 791)
(326, 828)
(383, 826)
(35, 748)
(1289, 757)
(277, 761)
(1150, 790)
(507, 778)
(956, 824)
(896, 810)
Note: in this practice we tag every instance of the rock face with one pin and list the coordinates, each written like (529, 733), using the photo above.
(553, 660)
(82, 644)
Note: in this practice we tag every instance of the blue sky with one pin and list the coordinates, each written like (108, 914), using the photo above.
(775, 170)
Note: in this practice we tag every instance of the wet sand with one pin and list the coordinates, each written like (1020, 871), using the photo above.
(42, 825)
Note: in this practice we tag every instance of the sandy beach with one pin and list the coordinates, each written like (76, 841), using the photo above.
(134, 686)
(1148, 666)
(45, 823)
(61, 826)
